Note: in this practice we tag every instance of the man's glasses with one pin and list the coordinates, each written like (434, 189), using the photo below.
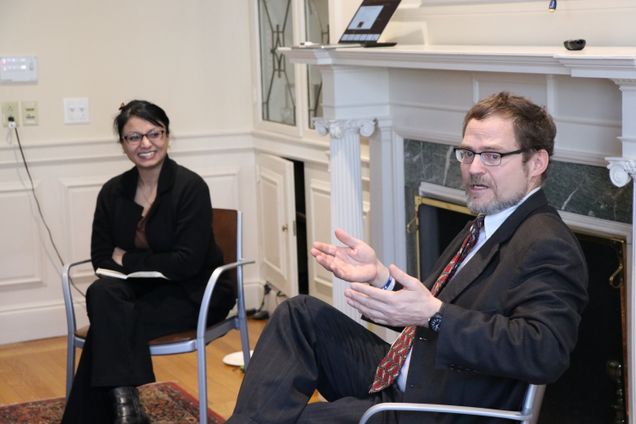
(467, 156)
(135, 137)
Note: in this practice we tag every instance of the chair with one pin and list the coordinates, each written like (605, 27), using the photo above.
(529, 413)
(227, 227)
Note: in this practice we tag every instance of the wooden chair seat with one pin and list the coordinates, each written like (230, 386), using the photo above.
(179, 337)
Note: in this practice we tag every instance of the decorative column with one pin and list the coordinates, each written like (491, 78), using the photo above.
(346, 187)
(621, 171)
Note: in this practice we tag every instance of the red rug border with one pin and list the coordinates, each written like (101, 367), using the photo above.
(26, 402)
(171, 383)
(188, 395)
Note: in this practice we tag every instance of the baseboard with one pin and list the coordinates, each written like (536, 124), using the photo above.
(34, 322)
(253, 294)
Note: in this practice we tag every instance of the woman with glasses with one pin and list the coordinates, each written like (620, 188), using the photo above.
(154, 217)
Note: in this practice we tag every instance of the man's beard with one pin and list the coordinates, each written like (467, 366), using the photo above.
(495, 205)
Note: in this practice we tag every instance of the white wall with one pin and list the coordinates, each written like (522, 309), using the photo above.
(175, 53)
(501, 22)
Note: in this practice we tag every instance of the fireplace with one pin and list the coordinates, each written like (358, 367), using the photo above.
(594, 388)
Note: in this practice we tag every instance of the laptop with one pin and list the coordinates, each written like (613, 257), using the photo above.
(366, 26)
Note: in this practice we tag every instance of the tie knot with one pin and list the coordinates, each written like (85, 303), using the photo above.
(477, 225)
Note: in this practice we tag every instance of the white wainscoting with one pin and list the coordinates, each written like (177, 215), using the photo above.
(319, 197)
(20, 268)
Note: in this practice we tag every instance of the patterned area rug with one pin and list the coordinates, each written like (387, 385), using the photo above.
(165, 403)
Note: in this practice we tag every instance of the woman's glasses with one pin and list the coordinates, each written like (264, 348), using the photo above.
(135, 137)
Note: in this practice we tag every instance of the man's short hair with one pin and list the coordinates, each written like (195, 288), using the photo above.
(533, 127)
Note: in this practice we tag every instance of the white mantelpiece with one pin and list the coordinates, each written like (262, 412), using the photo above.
(422, 92)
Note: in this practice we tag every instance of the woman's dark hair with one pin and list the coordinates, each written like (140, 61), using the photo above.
(144, 110)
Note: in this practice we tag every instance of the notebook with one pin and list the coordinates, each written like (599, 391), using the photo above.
(366, 26)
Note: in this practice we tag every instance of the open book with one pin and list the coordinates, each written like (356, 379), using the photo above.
(139, 274)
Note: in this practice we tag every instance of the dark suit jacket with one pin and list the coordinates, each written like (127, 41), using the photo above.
(510, 316)
(178, 230)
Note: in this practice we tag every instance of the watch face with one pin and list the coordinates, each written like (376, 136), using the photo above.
(435, 321)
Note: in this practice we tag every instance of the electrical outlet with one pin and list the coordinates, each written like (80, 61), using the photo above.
(10, 109)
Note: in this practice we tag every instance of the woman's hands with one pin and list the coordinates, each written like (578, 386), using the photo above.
(118, 256)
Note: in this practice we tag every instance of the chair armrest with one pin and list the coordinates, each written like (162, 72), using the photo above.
(449, 409)
(207, 295)
(68, 294)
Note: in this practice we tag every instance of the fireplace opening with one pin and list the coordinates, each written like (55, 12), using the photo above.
(593, 390)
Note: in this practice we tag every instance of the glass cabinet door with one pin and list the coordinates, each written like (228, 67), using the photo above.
(279, 92)
(277, 75)
(317, 31)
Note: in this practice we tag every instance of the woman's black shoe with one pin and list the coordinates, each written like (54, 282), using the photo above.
(128, 408)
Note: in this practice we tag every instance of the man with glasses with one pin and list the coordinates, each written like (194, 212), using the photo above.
(500, 310)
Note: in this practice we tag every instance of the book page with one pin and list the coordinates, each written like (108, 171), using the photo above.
(139, 274)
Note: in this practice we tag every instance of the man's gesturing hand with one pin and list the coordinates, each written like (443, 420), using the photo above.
(355, 261)
(412, 305)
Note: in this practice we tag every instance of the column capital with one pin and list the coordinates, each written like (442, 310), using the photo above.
(621, 170)
(338, 128)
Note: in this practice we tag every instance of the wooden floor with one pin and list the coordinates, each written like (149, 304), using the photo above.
(36, 370)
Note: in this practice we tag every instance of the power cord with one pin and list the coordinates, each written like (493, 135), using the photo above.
(260, 314)
(13, 126)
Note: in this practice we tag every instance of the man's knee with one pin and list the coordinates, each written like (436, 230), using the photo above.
(301, 304)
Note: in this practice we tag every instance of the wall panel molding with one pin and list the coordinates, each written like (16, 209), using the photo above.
(319, 198)
(20, 254)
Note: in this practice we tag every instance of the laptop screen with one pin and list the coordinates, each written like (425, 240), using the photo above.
(369, 21)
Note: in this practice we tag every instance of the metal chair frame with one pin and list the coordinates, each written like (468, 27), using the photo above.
(186, 343)
(529, 413)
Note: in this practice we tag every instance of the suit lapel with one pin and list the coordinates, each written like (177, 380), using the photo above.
(478, 263)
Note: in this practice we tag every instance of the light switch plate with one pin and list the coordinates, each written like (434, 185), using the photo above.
(76, 110)
(30, 113)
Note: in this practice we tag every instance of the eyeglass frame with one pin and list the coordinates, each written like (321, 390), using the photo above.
(502, 155)
(161, 132)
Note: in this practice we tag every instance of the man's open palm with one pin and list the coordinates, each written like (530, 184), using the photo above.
(355, 261)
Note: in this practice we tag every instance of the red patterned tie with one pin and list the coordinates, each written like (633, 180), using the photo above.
(391, 364)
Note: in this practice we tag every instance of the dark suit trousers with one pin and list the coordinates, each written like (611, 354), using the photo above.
(309, 345)
(124, 315)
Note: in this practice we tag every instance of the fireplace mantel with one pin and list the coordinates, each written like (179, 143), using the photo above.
(423, 92)
(592, 62)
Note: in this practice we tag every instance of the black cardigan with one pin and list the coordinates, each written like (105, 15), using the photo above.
(178, 230)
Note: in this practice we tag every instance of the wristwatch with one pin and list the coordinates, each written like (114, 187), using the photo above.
(435, 321)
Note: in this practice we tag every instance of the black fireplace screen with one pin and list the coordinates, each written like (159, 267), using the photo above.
(593, 390)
